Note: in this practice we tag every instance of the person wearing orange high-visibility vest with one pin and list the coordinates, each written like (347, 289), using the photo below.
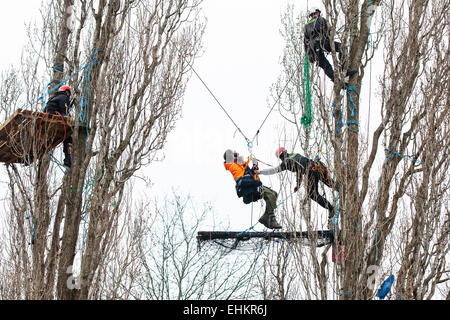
(250, 187)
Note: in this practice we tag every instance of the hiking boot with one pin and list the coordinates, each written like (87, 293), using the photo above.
(273, 223)
(264, 219)
(269, 221)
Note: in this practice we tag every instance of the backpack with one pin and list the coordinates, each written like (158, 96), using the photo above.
(248, 187)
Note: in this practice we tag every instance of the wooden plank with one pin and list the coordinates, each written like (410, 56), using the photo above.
(51, 118)
(10, 119)
(318, 238)
(4, 148)
(49, 128)
(211, 235)
(6, 129)
(51, 132)
(9, 158)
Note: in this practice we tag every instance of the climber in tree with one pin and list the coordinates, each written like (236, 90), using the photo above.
(250, 188)
(60, 104)
(314, 170)
(316, 40)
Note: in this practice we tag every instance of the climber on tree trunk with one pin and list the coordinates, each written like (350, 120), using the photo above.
(317, 40)
(60, 104)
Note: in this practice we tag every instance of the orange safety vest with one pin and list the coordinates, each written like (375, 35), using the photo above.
(238, 169)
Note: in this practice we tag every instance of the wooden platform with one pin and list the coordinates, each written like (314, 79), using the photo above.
(319, 238)
(29, 134)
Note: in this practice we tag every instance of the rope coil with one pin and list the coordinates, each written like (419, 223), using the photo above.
(306, 119)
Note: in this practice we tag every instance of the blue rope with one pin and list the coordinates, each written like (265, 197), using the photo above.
(84, 103)
(58, 67)
(46, 93)
(60, 165)
(349, 89)
(336, 216)
(340, 123)
(393, 153)
(247, 230)
(353, 123)
(85, 98)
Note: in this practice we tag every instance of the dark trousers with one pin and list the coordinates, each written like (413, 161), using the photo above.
(66, 144)
(323, 61)
(313, 191)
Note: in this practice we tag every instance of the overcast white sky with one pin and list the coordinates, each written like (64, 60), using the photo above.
(243, 48)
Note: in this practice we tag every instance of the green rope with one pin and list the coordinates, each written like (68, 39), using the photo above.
(306, 119)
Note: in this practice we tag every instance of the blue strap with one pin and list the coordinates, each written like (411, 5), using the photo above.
(60, 165)
(58, 67)
(336, 216)
(246, 231)
(354, 123)
(340, 123)
(349, 89)
(393, 153)
(53, 89)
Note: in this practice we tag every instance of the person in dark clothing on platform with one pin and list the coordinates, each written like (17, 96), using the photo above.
(59, 104)
(314, 170)
(317, 40)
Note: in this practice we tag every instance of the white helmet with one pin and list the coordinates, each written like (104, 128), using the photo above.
(313, 10)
